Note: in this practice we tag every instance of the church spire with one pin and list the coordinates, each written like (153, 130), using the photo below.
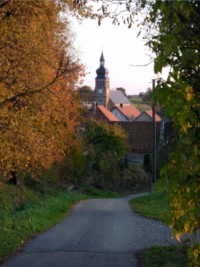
(102, 72)
(102, 60)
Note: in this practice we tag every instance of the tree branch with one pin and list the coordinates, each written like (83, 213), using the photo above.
(143, 65)
(5, 2)
(36, 91)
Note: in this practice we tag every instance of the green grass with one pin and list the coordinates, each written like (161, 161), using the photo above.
(97, 193)
(165, 257)
(25, 212)
(154, 205)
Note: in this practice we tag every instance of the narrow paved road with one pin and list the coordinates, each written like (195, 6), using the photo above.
(97, 233)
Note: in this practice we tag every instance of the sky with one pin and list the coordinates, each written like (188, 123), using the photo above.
(122, 49)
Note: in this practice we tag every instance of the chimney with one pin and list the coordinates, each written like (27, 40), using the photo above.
(121, 105)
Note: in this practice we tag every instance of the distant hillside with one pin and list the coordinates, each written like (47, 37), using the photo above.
(139, 103)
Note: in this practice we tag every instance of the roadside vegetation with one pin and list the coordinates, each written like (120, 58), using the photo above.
(156, 206)
(170, 256)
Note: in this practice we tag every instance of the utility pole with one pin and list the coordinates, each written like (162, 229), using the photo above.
(154, 137)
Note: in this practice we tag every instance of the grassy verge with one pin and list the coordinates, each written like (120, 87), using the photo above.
(93, 192)
(156, 206)
(153, 205)
(165, 257)
(25, 212)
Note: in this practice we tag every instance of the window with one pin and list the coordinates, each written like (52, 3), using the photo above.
(100, 91)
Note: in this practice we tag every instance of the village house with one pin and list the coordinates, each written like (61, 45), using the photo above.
(126, 112)
(147, 115)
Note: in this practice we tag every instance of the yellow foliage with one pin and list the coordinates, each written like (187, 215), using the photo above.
(189, 93)
(38, 104)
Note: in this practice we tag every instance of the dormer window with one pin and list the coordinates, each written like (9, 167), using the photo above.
(100, 91)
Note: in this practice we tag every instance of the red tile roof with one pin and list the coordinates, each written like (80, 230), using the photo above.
(130, 111)
(109, 116)
(150, 113)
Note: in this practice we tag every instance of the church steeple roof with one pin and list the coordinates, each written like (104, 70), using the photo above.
(102, 72)
(102, 60)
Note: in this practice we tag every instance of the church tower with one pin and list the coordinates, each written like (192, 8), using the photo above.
(102, 84)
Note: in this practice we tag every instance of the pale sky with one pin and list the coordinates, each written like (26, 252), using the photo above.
(121, 47)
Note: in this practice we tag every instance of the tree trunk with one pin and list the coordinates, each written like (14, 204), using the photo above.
(13, 177)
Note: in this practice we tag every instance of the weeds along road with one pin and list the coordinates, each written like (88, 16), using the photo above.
(97, 233)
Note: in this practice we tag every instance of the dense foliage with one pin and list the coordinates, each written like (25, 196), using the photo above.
(38, 71)
(177, 45)
(105, 148)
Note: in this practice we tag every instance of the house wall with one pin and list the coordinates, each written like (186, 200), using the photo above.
(119, 115)
(140, 135)
(143, 117)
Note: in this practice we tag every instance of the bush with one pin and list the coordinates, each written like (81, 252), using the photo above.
(73, 167)
(112, 176)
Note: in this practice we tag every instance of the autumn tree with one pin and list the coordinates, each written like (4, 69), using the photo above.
(38, 71)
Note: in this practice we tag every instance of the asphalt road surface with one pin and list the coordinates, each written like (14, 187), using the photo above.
(97, 233)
